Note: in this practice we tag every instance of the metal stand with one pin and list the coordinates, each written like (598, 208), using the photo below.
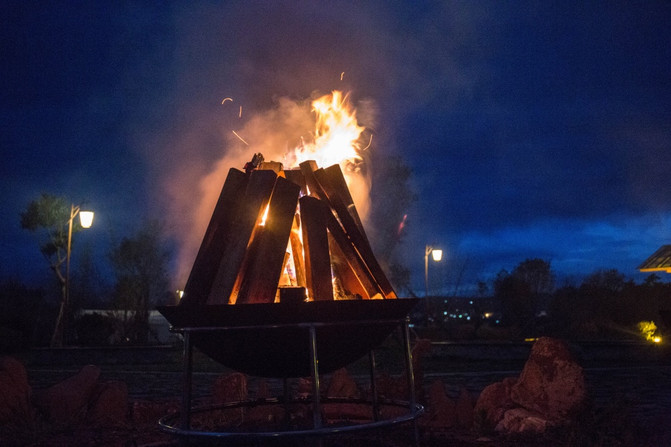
(180, 424)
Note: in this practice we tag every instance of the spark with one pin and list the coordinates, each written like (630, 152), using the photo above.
(227, 99)
(369, 143)
(240, 114)
(239, 137)
(342, 75)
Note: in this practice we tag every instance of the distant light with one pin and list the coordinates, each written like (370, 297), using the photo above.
(180, 294)
(437, 255)
(656, 339)
(86, 218)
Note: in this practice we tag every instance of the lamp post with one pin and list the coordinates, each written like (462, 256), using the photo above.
(86, 220)
(436, 255)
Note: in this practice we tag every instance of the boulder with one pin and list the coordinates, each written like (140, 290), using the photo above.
(230, 388)
(342, 385)
(493, 402)
(150, 411)
(441, 410)
(551, 384)
(520, 420)
(66, 402)
(262, 390)
(109, 404)
(15, 392)
(464, 408)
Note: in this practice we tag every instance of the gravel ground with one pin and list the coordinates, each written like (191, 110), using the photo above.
(631, 405)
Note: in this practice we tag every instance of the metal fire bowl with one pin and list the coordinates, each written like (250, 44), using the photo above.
(273, 340)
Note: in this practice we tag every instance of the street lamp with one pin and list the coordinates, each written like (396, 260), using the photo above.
(436, 255)
(86, 220)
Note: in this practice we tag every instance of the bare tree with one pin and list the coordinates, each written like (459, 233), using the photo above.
(140, 267)
(50, 217)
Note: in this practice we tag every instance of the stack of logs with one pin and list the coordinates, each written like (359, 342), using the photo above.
(275, 229)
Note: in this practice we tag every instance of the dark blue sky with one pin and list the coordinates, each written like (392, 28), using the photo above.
(534, 129)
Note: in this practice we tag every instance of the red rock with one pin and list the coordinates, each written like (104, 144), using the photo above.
(109, 404)
(230, 388)
(304, 387)
(520, 420)
(493, 402)
(15, 392)
(441, 410)
(464, 409)
(67, 401)
(144, 411)
(551, 384)
(342, 385)
(397, 387)
(262, 390)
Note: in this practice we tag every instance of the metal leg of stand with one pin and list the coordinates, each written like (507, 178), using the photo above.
(373, 386)
(185, 421)
(316, 407)
(411, 376)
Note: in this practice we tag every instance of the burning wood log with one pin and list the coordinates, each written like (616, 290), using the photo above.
(204, 270)
(335, 192)
(314, 215)
(255, 235)
(313, 187)
(265, 257)
(333, 184)
(297, 252)
(245, 219)
(296, 176)
(347, 284)
(354, 260)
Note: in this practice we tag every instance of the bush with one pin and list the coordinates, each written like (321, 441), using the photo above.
(94, 329)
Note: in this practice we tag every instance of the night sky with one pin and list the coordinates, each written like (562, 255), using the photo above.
(533, 129)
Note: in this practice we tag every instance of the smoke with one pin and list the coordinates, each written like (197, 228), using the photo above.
(271, 58)
(275, 133)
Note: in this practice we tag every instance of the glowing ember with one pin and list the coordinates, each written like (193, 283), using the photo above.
(265, 216)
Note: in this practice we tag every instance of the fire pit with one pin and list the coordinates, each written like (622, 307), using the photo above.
(286, 284)
(271, 340)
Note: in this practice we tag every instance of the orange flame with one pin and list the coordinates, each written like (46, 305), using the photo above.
(336, 133)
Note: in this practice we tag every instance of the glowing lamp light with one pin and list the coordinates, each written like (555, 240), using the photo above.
(436, 255)
(86, 218)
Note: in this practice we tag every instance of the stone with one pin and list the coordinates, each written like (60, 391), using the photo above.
(520, 420)
(390, 387)
(15, 394)
(67, 402)
(262, 390)
(230, 388)
(304, 388)
(441, 410)
(422, 347)
(342, 385)
(149, 412)
(109, 404)
(493, 402)
(464, 408)
(551, 384)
